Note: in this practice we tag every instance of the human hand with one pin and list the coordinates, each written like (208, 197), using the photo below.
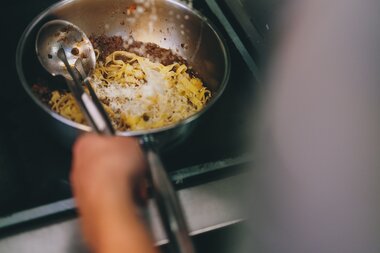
(105, 170)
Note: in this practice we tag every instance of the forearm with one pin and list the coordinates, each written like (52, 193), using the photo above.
(122, 230)
(316, 187)
(112, 225)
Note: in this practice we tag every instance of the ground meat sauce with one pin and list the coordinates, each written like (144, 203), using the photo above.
(107, 45)
(43, 92)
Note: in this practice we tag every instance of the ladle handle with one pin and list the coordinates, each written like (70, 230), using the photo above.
(99, 123)
(108, 130)
(93, 112)
(167, 201)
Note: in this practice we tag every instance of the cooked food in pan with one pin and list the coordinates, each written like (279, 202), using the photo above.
(140, 85)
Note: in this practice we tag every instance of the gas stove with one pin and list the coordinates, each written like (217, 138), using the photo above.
(34, 167)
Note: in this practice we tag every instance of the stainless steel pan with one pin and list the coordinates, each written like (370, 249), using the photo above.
(167, 23)
(173, 26)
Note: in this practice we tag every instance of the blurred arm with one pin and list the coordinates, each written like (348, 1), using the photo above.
(317, 186)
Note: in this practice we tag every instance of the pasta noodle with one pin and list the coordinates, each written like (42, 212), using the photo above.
(138, 93)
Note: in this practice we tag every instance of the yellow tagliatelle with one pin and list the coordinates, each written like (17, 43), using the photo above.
(64, 104)
(139, 94)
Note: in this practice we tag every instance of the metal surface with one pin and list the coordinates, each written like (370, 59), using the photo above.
(217, 198)
(60, 34)
(252, 65)
(109, 130)
(251, 25)
(93, 112)
(169, 207)
(167, 23)
(243, 12)
(178, 177)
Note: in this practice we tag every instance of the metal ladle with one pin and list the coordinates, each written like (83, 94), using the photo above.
(63, 49)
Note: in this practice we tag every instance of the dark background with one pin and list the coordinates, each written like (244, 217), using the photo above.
(18, 128)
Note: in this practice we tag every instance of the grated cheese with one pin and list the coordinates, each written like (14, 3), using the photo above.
(140, 94)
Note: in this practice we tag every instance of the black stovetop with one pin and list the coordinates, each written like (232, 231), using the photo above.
(34, 168)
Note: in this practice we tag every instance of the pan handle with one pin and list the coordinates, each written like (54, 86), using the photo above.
(167, 201)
